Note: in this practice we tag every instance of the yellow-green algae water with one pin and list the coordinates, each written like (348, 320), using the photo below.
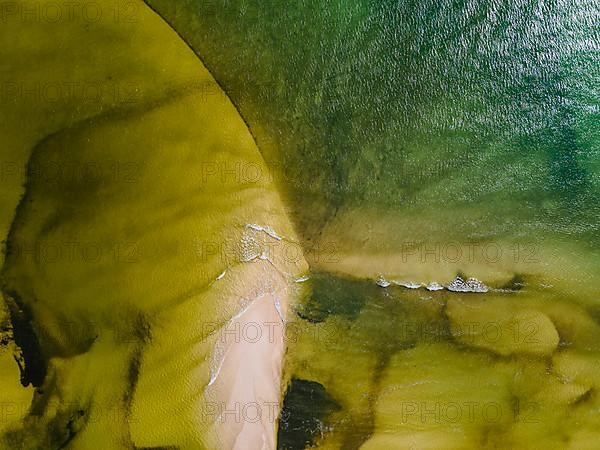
(405, 143)
(107, 273)
(407, 368)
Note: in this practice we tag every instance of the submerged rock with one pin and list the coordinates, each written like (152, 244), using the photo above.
(434, 286)
(307, 406)
(409, 285)
(382, 282)
(471, 285)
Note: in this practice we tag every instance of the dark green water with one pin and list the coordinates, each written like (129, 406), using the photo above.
(388, 123)
(484, 109)
(476, 121)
